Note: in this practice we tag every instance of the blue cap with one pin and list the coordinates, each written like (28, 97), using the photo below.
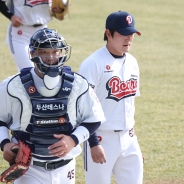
(122, 22)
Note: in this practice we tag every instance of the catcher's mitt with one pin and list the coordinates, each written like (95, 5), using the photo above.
(60, 8)
(21, 165)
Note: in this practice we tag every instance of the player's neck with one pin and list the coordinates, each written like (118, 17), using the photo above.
(38, 73)
(114, 52)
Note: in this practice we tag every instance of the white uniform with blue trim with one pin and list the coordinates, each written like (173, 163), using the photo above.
(116, 83)
(82, 107)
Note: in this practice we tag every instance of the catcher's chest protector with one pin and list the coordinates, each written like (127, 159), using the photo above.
(49, 115)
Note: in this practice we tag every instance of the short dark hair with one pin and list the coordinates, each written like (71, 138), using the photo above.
(111, 32)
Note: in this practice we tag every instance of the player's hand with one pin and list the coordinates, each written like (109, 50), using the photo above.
(62, 147)
(8, 155)
(16, 21)
(57, 9)
(98, 154)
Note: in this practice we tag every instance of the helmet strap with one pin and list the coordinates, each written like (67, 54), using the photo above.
(51, 78)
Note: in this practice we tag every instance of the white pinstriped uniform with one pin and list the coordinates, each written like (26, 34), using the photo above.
(116, 83)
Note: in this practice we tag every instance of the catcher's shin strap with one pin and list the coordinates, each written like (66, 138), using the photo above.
(51, 165)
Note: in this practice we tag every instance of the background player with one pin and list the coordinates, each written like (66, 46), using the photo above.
(26, 18)
(114, 75)
(49, 108)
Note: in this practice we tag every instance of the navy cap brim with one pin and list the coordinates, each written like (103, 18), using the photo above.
(127, 31)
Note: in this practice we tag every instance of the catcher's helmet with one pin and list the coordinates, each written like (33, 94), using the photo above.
(48, 39)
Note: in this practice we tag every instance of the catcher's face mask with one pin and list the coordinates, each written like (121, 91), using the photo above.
(49, 51)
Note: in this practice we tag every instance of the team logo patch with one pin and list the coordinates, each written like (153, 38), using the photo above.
(19, 32)
(31, 89)
(118, 89)
(108, 67)
(129, 19)
(62, 120)
(99, 138)
(32, 3)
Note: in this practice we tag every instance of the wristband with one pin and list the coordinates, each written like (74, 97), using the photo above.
(75, 139)
(5, 141)
(4, 134)
(81, 133)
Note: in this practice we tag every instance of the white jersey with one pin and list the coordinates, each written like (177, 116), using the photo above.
(11, 105)
(116, 83)
(31, 11)
(84, 108)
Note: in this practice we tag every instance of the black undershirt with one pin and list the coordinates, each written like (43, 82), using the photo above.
(93, 140)
(118, 57)
(4, 10)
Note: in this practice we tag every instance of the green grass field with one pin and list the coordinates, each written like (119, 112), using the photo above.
(159, 51)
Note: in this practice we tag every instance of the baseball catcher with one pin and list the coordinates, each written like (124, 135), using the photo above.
(48, 108)
(60, 8)
(20, 165)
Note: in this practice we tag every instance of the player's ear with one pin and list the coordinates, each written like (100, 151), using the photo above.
(31, 53)
(108, 34)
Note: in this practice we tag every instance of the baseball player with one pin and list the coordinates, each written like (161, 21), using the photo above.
(26, 18)
(49, 108)
(114, 75)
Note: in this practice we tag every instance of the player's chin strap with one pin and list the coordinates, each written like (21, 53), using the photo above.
(51, 78)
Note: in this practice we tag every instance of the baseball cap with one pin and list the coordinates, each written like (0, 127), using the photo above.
(122, 22)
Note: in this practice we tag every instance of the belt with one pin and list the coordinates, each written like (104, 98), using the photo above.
(37, 25)
(49, 166)
(118, 130)
(34, 25)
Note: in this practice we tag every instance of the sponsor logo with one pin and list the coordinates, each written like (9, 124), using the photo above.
(51, 121)
(51, 107)
(66, 89)
(108, 71)
(31, 89)
(118, 89)
(32, 3)
(134, 76)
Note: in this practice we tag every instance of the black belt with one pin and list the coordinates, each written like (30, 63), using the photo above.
(49, 166)
(118, 130)
(37, 25)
